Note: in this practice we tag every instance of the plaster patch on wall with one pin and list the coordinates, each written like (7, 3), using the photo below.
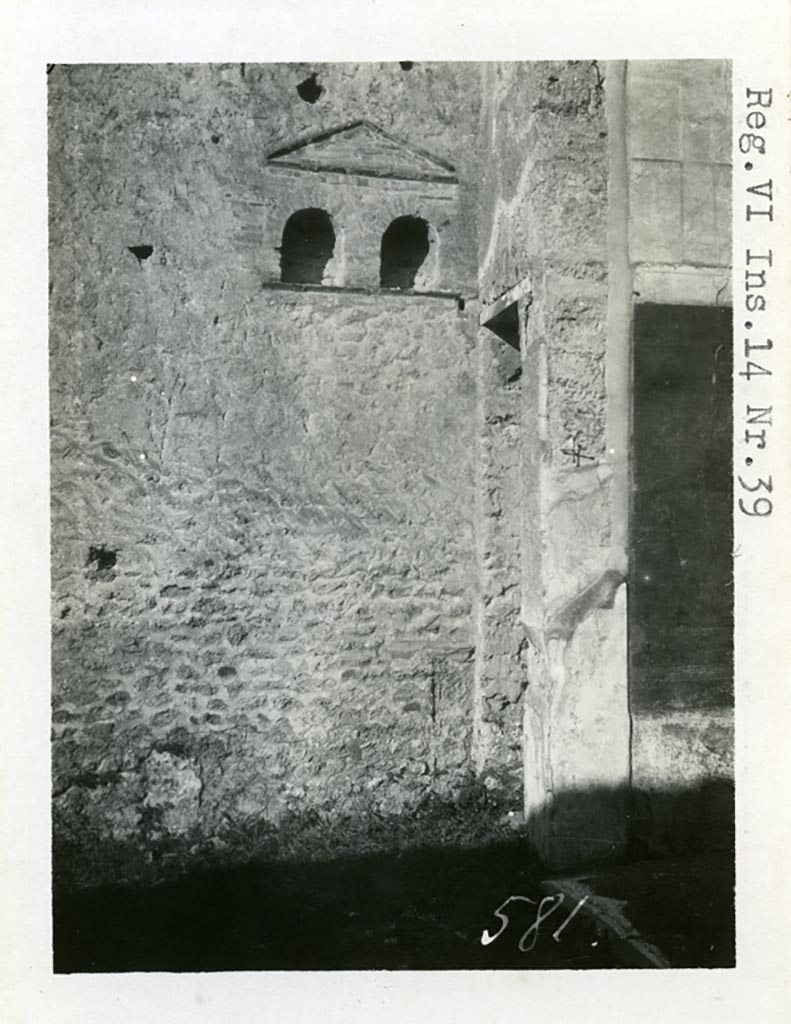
(599, 594)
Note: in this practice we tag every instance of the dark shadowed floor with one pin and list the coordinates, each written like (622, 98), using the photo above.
(683, 907)
(417, 910)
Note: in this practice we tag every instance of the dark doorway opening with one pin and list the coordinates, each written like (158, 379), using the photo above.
(405, 245)
(307, 247)
(681, 591)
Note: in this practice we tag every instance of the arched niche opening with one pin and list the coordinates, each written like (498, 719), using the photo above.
(307, 247)
(405, 246)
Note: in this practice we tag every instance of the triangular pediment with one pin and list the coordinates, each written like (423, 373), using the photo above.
(363, 148)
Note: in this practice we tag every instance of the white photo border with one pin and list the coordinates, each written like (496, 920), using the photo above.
(756, 39)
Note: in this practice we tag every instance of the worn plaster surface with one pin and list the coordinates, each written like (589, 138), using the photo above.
(549, 216)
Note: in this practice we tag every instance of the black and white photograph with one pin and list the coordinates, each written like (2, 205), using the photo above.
(394, 587)
(392, 537)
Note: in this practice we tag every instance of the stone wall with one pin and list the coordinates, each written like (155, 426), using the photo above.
(500, 675)
(332, 548)
(262, 547)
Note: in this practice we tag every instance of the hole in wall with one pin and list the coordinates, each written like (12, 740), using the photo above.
(141, 252)
(461, 304)
(507, 358)
(406, 65)
(309, 89)
(405, 245)
(506, 325)
(101, 557)
(216, 138)
(307, 247)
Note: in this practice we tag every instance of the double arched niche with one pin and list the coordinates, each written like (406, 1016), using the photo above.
(311, 252)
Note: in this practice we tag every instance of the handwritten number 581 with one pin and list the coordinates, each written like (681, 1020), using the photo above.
(547, 906)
